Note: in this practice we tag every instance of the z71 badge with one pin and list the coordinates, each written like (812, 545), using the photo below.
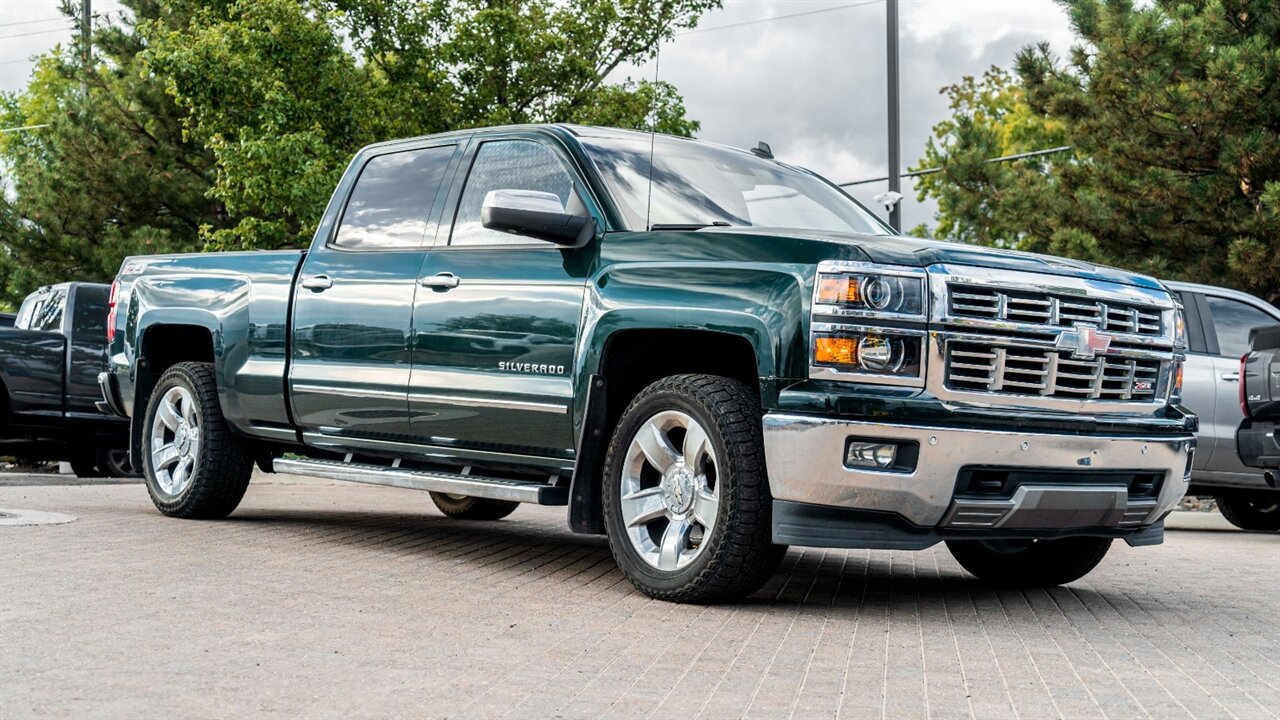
(533, 368)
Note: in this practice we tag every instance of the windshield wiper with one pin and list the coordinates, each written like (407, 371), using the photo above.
(689, 226)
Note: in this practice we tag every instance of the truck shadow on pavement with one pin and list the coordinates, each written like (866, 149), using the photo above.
(928, 583)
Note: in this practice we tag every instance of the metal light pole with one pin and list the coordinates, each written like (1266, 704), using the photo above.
(895, 171)
(86, 43)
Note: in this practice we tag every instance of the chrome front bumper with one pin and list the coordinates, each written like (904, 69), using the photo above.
(805, 456)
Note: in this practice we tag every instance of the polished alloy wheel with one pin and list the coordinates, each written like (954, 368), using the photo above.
(669, 496)
(175, 441)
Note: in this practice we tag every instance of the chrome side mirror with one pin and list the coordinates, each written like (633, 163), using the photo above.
(535, 214)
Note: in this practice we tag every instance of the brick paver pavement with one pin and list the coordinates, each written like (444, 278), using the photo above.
(330, 600)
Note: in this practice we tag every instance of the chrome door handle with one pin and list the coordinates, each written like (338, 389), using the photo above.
(317, 282)
(440, 281)
(1231, 377)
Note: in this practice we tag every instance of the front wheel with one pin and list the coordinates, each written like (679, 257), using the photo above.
(1252, 511)
(686, 496)
(1030, 563)
(194, 466)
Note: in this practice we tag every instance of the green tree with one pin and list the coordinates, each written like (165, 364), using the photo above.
(987, 203)
(226, 123)
(110, 175)
(273, 91)
(1172, 109)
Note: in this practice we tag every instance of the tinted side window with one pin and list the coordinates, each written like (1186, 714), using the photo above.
(28, 311)
(508, 165)
(1232, 321)
(392, 199)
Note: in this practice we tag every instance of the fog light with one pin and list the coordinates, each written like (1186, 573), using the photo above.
(871, 455)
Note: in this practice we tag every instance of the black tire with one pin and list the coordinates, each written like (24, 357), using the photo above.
(86, 466)
(1030, 563)
(739, 556)
(115, 463)
(224, 462)
(465, 507)
(1252, 511)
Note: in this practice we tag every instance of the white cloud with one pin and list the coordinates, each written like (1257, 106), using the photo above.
(813, 86)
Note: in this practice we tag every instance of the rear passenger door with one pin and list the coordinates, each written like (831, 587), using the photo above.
(353, 307)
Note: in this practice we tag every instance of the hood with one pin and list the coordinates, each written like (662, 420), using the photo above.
(917, 252)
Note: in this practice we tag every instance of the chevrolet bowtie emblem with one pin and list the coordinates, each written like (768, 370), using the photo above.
(1085, 342)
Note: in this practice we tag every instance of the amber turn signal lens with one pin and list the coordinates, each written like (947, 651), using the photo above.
(838, 290)
(1177, 380)
(836, 350)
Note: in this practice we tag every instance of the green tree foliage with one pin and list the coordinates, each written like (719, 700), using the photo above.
(224, 124)
(1172, 109)
(110, 175)
(283, 92)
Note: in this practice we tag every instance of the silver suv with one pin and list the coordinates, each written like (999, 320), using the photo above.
(1218, 324)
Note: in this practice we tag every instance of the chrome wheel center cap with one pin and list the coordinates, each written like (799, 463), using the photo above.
(182, 439)
(678, 488)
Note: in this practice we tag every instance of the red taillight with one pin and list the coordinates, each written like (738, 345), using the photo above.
(1244, 363)
(111, 311)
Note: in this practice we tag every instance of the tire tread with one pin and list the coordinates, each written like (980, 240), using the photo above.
(225, 464)
(747, 556)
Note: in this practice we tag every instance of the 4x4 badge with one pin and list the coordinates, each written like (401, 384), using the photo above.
(1085, 342)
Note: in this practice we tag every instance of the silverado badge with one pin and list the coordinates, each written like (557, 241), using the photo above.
(1085, 342)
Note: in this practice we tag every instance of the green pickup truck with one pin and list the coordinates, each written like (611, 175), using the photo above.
(704, 353)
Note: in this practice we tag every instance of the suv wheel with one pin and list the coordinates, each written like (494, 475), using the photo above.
(1030, 563)
(686, 496)
(194, 466)
(116, 463)
(1252, 511)
(465, 507)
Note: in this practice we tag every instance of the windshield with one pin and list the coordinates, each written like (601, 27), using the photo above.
(698, 184)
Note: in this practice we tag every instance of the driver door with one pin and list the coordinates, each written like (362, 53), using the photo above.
(496, 321)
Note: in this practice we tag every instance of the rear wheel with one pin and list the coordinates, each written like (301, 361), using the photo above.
(194, 466)
(686, 496)
(1030, 563)
(1252, 511)
(465, 507)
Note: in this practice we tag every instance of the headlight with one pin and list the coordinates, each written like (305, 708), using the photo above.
(874, 293)
(886, 355)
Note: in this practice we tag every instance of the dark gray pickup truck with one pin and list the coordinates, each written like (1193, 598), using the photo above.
(1258, 439)
(49, 365)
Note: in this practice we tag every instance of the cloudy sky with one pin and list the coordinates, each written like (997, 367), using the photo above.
(807, 76)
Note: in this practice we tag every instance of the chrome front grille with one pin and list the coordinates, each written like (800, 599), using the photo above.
(1051, 310)
(1047, 372)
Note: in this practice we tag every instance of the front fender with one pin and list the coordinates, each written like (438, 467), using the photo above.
(767, 307)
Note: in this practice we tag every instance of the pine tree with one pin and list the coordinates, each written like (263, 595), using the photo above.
(1173, 113)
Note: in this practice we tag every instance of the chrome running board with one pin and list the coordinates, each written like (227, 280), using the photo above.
(525, 491)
